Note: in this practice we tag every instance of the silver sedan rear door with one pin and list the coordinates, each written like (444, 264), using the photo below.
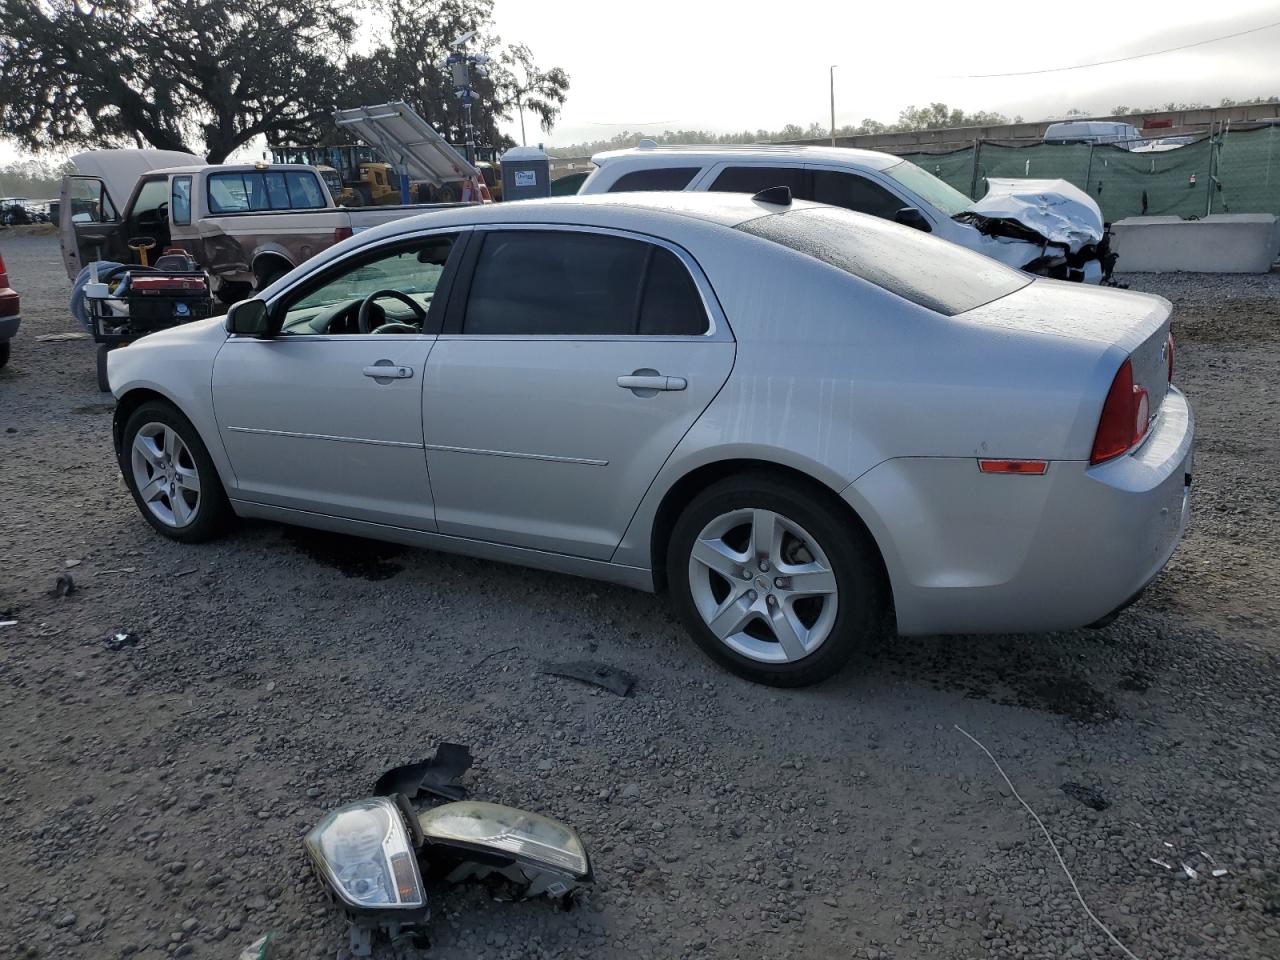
(572, 362)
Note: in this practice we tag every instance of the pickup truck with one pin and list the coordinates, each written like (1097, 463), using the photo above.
(245, 224)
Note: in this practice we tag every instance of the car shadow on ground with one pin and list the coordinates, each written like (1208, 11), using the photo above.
(1065, 674)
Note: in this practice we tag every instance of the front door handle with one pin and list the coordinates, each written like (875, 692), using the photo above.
(646, 382)
(384, 371)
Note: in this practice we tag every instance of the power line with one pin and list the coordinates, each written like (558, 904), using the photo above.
(1103, 63)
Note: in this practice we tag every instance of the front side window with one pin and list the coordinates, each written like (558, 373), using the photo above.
(89, 201)
(180, 206)
(660, 178)
(754, 179)
(854, 192)
(571, 283)
(406, 277)
(150, 205)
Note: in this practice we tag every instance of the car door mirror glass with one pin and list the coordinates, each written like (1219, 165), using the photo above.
(912, 217)
(248, 318)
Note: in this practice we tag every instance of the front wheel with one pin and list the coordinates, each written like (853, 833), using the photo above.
(773, 580)
(171, 476)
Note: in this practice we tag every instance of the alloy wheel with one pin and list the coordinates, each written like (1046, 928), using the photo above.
(763, 585)
(165, 474)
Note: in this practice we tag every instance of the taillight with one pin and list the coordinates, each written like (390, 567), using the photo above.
(4, 275)
(1169, 355)
(342, 233)
(1124, 417)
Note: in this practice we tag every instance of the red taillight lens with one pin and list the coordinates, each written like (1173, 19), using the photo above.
(342, 233)
(4, 275)
(1124, 417)
(1169, 353)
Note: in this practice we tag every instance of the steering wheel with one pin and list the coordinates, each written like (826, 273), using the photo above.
(364, 320)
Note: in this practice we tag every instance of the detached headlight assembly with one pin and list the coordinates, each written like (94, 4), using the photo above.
(366, 858)
(542, 855)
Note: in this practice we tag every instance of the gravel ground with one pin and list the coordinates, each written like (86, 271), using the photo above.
(153, 797)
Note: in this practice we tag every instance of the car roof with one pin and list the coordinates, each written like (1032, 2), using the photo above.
(673, 154)
(656, 212)
(231, 168)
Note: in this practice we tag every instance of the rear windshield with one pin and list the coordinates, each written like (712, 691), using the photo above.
(271, 190)
(933, 273)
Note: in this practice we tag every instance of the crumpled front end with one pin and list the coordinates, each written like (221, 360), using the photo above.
(1059, 219)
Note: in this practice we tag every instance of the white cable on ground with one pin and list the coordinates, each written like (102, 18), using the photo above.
(1053, 846)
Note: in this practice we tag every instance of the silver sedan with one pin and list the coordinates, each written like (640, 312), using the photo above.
(795, 419)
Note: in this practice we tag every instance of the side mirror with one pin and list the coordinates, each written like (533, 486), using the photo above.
(248, 318)
(912, 217)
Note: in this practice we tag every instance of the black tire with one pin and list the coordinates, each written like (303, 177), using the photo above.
(5, 350)
(854, 563)
(103, 384)
(213, 511)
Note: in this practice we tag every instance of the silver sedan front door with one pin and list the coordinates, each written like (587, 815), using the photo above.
(326, 418)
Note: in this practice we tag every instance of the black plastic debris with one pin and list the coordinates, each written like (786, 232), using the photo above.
(64, 586)
(1090, 796)
(118, 641)
(438, 775)
(597, 674)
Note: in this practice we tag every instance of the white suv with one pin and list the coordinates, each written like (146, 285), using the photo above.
(1047, 227)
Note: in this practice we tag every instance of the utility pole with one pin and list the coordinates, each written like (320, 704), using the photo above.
(833, 103)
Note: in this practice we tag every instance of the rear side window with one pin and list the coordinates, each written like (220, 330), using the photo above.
(853, 192)
(180, 205)
(933, 273)
(660, 178)
(755, 179)
(570, 283)
(272, 190)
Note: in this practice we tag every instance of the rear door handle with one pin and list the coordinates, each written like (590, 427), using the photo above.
(639, 381)
(384, 371)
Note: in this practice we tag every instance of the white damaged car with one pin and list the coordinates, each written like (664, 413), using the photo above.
(1045, 227)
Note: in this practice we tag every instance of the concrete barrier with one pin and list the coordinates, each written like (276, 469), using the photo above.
(1221, 243)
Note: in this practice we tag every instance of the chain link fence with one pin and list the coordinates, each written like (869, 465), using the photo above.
(1237, 171)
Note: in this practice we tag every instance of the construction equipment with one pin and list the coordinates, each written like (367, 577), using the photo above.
(430, 169)
(354, 173)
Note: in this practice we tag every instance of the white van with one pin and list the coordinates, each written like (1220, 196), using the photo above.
(1124, 135)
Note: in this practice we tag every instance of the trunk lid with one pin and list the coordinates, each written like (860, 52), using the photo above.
(1135, 323)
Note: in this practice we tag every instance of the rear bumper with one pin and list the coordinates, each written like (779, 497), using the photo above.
(9, 326)
(969, 552)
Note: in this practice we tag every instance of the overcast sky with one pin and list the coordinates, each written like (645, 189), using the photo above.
(727, 65)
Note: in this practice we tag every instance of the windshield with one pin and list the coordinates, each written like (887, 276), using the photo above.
(929, 188)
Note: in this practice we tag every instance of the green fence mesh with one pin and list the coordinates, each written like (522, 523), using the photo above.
(1236, 172)
(1248, 172)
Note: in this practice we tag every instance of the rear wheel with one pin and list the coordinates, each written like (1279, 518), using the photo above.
(773, 580)
(171, 476)
(4, 352)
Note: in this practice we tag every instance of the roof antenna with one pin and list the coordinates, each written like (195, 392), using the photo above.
(778, 195)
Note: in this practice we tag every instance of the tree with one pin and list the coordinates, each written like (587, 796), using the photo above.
(194, 75)
(540, 91)
(408, 65)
